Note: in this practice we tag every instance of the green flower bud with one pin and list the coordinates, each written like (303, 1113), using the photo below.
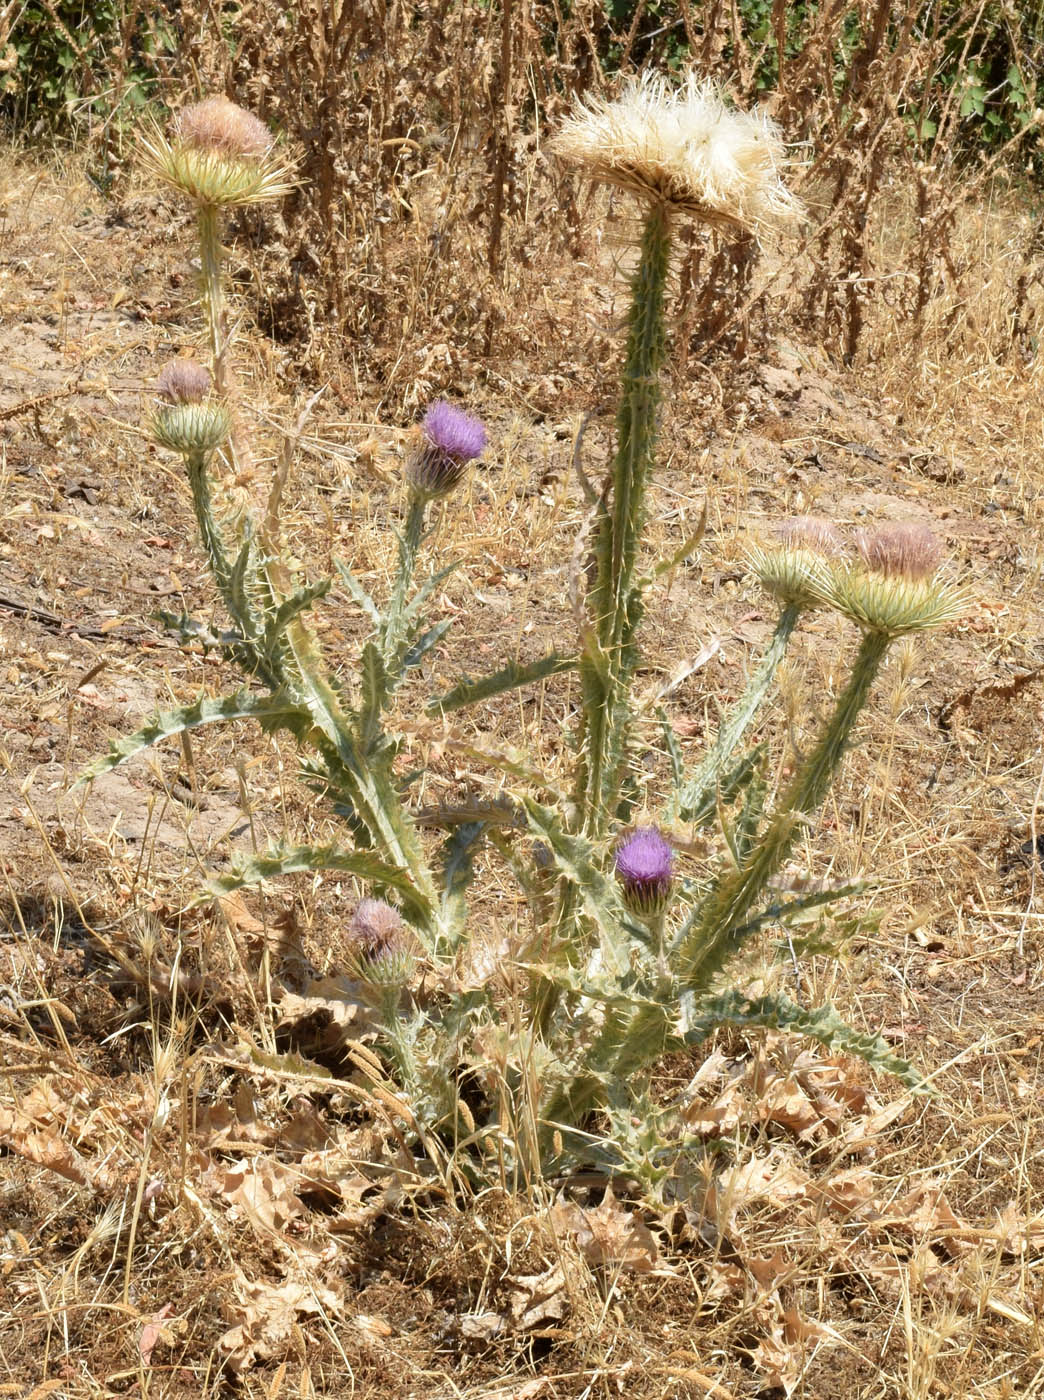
(192, 428)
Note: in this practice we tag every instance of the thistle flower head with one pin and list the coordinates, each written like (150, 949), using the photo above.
(796, 569)
(897, 588)
(450, 439)
(216, 124)
(645, 870)
(684, 149)
(219, 155)
(381, 945)
(183, 381)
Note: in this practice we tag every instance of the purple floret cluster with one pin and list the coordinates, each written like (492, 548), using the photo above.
(450, 438)
(454, 432)
(645, 869)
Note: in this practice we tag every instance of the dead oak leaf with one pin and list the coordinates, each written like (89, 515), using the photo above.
(609, 1236)
(265, 1192)
(264, 1316)
(782, 1355)
(536, 1299)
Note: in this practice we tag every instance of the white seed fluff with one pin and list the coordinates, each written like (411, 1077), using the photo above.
(686, 149)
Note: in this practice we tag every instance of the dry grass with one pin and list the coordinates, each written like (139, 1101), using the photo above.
(164, 1185)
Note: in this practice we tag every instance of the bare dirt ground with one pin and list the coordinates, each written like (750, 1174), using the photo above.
(180, 1215)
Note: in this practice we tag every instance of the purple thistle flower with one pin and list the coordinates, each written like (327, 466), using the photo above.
(645, 870)
(454, 432)
(451, 439)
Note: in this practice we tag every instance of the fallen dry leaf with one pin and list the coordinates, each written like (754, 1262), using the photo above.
(154, 1332)
(264, 1315)
(609, 1236)
(538, 1298)
(264, 1191)
(782, 1355)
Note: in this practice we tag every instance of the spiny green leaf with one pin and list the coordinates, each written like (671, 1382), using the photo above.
(359, 593)
(666, 565)
(724, 790)
(419, 648)
(292, 607)
(821, 1023)
(374, 687)
(273, 712)
(709, 777)
(786, 912)
(424, 592)
(509, 677)
(673, 748)
(458, 855)
(365, 865)
(574, 857)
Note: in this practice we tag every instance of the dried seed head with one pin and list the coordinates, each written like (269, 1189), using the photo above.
(795, 571)
(192, 428)
(450, 439)
(216, 124)
(685, 149)
(183, 381)
(381, 946)
(907, 550)
(645, 870)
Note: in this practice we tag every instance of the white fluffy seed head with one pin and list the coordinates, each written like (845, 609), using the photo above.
(686, 149)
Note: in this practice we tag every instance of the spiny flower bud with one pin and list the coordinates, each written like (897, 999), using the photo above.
(219, 155)
(450, 439)
(684, 149)
(795, 571)
(192, 428)
(645, 871)
(898, 588)
(381, 945)
(183, 381)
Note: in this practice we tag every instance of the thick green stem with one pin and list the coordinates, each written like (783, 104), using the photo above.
(614, 601)
(704, 781)
(208, 223)
(636, 419)
(409, 547)
(203, 503)
(709, 943)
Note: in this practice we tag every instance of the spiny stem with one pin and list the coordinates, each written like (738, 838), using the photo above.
(203, 504)
(208, 223)
(708, 945)
(735, 723)
(409, 547)
(636, 417)
(614, 601)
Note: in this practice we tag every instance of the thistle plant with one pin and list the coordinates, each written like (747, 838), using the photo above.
(631, 935)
